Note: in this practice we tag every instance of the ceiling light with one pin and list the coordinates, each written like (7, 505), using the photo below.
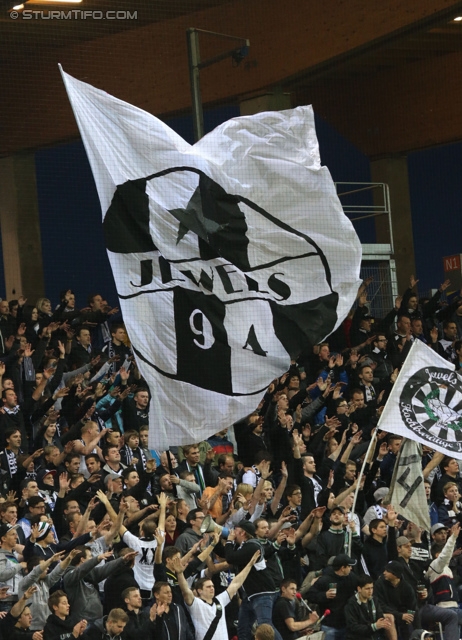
(18, 7)
(458, 19)
(54, 1)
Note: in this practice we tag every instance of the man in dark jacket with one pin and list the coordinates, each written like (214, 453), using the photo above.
(140, 623)
(333, 590)
(60, 625)
(397, 597)
(285, 617)
(364, 616)
(171, 620)
(375, 549)
(259, 586)
(110, 627)
(314, 493)
(334, 541)
(118, 582)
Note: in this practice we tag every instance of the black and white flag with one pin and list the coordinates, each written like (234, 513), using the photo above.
(407, 490)
(229, 256)
(425, 404)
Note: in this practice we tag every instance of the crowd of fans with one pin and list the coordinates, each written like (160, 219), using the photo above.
(254, 532)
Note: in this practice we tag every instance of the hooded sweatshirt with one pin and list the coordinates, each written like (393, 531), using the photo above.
(57, 629)
(39, 602)
(9, 570)
(81, 586)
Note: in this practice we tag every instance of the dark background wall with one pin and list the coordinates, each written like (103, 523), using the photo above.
(435, 177)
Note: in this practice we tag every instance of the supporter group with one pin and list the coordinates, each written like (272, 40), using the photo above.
(253, 533)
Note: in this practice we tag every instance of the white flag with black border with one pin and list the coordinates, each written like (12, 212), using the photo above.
(425, 403)
(407, 490)
(229, 256)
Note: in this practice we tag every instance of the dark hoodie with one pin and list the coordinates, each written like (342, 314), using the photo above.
(57, 629)
(139, 625)
(120, 580)
(98, 631)
(346, 587)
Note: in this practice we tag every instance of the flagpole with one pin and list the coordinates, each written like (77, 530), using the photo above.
(361, 473)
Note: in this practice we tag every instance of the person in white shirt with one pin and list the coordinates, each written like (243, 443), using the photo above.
(145, 545)
(207, 610)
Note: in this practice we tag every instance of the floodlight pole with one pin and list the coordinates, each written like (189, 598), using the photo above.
(195, 65)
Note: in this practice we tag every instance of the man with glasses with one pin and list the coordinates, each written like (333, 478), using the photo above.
(36, 507)
(294, 501)
(193, 534)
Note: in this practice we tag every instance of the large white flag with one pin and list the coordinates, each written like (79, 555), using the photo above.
(407, 490)
(229, 256)
(426, 402)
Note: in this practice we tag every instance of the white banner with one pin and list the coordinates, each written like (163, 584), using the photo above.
(229, 256)
(426, 402)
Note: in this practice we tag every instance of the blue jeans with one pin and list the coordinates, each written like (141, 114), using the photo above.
(449, 618)
(332, 633)
(258, 609)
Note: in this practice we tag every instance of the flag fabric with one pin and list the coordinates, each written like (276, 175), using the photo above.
(407, 490)
(425, 404)
(229, 256)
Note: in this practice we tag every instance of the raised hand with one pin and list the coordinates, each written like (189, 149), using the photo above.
(265, 469)
(102, 497)
(318, 512)
(64, 481)
(444, 285)
(28, 593)
(159, 536)
(128, 557)
(412, 281)
(11, 496)
(62, 393)
(162, 499)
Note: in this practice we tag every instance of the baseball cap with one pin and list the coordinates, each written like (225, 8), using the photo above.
(395, 567)
(337, 508)
(43, 530)
(343, 560)
(112, 476)
(437, 527)
(402, 540)
(247, 526)
(380, 494)
(45, 472)
(4, 528)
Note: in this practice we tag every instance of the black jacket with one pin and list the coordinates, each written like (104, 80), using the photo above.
(139, 626)
(307, 487)
(175, 618)
(346, 587)
(257, 581)
(396, 600)
(375, 555)
(360, 620)
(98, 631)
(115, 584)
(57, 629)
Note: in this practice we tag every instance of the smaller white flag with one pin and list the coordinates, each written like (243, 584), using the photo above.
(425, 404)
(407, 491)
